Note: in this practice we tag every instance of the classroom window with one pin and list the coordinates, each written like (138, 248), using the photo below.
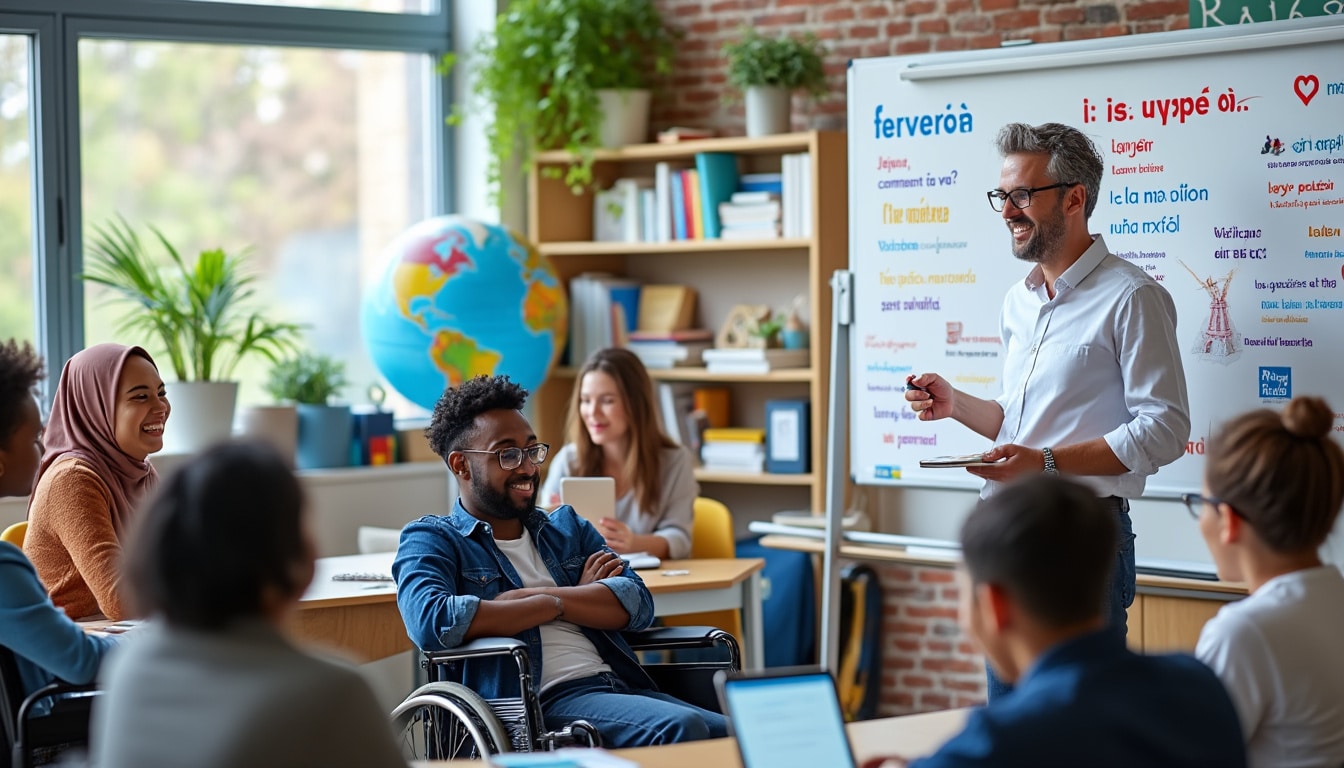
(18, 314)
(309, 159)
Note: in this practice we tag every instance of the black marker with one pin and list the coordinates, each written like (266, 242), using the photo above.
(910, 384)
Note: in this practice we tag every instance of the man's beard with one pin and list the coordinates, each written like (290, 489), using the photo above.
(500, 505)
(1046, 235)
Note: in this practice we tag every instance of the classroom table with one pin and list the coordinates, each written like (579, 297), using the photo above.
(908, 736)
(361, 617)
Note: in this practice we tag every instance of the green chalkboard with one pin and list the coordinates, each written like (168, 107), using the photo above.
(1217, 13)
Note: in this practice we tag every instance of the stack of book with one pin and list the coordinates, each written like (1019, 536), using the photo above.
(750, 216)
(753, 360)
(733, 449)
(671, 349)
(602, 313)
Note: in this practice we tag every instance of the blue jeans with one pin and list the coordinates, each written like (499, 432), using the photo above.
(628, 717)
(1118, 598)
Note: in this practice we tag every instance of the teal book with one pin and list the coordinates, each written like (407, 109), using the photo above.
(718, 182)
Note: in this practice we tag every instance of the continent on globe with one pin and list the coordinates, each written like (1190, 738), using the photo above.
(423, 270)
(460, 359)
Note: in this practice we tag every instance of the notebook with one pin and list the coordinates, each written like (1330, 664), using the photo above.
(594, 498)
(785, 717)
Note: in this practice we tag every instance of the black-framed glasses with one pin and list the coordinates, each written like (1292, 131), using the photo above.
(512, 457)
(1194, 502)
(1021, 196)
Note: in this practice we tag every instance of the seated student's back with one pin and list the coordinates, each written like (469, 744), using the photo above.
(1273, 485)
(219, 559)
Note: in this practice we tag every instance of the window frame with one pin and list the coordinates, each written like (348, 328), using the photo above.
(55, 29)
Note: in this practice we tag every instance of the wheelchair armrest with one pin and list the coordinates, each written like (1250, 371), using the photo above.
(481, 646)
(665, 638)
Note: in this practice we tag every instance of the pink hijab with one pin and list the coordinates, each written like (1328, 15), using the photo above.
(83, 424)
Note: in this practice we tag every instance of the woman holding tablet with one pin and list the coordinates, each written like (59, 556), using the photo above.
(614, 432)
(1273, 485)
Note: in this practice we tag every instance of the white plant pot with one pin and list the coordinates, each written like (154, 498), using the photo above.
(202, 414)
(768, 110)
(274, 424)
(625, 116)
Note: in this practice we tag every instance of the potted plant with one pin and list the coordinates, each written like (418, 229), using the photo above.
(195, 316)
(310, 381)
(554, 69)
(768, 71)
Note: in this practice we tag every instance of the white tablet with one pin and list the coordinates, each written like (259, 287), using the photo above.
(593, 498)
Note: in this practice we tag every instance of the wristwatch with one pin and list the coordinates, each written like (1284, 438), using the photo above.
(1049, 461)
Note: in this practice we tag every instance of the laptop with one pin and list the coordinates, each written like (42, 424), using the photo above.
(594, 498)
(785, 717)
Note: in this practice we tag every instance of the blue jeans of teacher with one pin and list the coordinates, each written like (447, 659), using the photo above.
(1118, 598)
(628, 717)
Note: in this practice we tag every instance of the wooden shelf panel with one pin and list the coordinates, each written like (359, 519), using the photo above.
(581, 248)
(783, 375)
(753, 478)
(764, 145)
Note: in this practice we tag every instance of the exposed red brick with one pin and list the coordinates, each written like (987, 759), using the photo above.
(931, 702)
(1154, 10)
(863, 31)
(920, 8)
(909, 628)
(1064, 15)
(842, 13)
(991, 6)
(931, 611)
(1019, 19)
(936, 576)
(899, 29)
(932, 27)
(779, 19)
(971, 23)
(916, 681)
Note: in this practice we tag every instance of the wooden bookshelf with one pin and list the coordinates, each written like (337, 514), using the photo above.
(724, 273)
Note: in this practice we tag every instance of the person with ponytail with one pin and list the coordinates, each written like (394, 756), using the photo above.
(1273, 486)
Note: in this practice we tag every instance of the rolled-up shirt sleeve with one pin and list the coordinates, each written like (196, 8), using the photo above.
(1154, 383)
(628, 587)
(436, 616)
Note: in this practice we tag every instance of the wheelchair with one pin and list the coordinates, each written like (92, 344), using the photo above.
(444, 719)
(44, 726)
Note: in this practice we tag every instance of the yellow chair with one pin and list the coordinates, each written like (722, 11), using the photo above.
(711, 538)
(15, 533)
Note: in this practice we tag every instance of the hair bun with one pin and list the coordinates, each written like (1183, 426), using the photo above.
(1308, 417)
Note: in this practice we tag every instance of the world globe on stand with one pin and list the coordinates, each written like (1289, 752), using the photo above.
(457, 298)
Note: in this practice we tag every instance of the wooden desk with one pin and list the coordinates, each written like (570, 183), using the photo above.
(361, 617)
(909, 736)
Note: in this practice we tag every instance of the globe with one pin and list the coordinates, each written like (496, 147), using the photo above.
(456, 298)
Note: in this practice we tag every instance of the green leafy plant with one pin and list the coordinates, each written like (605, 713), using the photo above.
(768, 329)
(786, 62)
(197, 311)
(306, 378)
(539, 73)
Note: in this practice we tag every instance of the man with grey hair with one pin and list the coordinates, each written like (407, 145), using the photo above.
(1093, 385)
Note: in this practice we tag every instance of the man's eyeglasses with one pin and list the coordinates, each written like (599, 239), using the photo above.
(512, 458)
(1021, 196)
(1194, 502)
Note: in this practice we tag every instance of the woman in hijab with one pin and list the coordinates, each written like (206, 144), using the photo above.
(107, 417)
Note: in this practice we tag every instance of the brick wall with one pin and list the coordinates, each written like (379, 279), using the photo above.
(867, 28)
(926, 662)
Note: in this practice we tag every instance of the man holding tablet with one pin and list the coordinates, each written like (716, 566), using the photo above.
(1093, 385)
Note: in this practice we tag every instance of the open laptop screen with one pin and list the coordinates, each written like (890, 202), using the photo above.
(787, 719)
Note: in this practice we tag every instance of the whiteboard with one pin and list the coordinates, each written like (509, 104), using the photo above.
(1189, 194)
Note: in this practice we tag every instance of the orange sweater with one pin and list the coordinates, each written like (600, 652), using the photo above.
(72, 543)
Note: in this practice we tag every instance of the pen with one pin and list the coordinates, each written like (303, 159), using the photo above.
(910, 384)
(676, 573)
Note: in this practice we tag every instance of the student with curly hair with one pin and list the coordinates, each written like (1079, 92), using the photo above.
(614, 432)
(218, 560)
(107, 417)
(1273, 486)
(46, 644)
(497, 565)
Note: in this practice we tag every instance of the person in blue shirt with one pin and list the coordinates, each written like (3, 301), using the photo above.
(1032, 595)
(45, 643)
(497, 565)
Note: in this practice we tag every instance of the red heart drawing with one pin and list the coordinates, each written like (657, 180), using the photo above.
(1303, 92)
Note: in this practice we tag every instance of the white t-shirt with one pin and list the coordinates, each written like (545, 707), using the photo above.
(1280, 652)
(566, 654)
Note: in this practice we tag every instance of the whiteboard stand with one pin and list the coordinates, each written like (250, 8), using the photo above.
(837, 438)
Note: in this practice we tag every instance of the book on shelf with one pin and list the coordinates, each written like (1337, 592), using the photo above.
(676, 402)
(749, 467)
(718, 182)
(731, 453)
(742, 197)
(677, 195)
(679, 133)
(761, 182)
(714, 402)
(603, 309)
(679, 335)
(616, 211)
(665, 308)
(787, 436)
(769, 230)
(746, 435)
(749, 213)
(754, 360)
(669, 354)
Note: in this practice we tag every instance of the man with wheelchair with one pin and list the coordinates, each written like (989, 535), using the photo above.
(497, 565)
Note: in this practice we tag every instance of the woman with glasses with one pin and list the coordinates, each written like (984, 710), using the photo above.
(1273, 485)
(614, 432)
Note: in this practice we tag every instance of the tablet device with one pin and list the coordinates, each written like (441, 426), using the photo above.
(593, 498)
(969, 460)
(785, 717)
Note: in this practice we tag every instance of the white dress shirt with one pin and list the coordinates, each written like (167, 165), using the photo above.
(1100, 359)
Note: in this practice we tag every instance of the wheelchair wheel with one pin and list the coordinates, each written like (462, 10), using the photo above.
(440, 721)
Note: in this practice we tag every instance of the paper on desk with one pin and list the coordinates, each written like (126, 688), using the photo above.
(569, 757)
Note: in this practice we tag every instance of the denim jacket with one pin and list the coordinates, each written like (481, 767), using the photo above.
(446, 565)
